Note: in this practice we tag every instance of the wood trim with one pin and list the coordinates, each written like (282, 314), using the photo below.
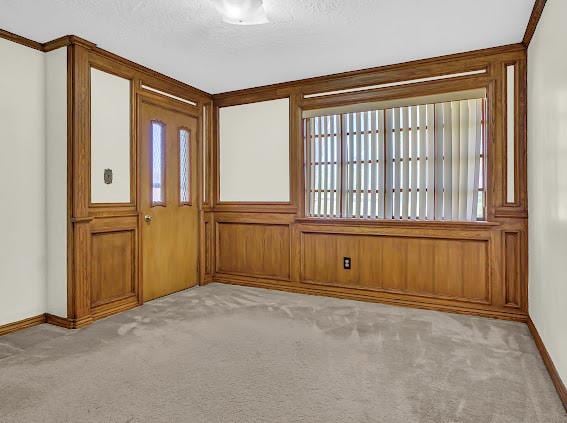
(391, 223)
(251, 207)
(115, 306)
(22, 324)
(534, 20)
(58, 321)
(66, 40)
(555, 378)
(78, 109)
(362, 77)
(68, 323)
(419, 89)
(20, 40)
(405, 300)
(161, 81)
(207, 155)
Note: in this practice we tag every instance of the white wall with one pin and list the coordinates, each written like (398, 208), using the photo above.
(110, 137)
(547, 181)
(254, 152)
(56, 179)
(22, 187)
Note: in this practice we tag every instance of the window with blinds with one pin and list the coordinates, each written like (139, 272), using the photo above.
(423, 162)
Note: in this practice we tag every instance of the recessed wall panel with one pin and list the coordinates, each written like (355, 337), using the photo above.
(110, 138)
(254, 152)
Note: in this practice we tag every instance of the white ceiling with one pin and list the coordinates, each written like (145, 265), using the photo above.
(186, 39)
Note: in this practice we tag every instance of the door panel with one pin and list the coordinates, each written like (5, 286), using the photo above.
(169, 201)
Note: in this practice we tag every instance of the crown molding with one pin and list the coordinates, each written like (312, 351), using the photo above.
(534, 20)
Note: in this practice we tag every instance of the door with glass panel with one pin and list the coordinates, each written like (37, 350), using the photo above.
(169, 200)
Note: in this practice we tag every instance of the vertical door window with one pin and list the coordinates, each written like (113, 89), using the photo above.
(184, 167)
(158, 163)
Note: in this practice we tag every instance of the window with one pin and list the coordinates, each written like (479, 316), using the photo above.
(423, 162)
(158, 163)
(184, 167)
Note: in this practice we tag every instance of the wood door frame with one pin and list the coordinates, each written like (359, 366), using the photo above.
(156, 100)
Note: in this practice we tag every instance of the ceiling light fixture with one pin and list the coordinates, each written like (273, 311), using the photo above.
(242, 12)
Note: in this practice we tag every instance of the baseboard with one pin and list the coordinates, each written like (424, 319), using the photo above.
(22, 324)
(556, 379)
(114, 307)
(375, 297)
(66, 323)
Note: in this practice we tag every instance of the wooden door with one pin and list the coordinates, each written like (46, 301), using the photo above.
(169, 201)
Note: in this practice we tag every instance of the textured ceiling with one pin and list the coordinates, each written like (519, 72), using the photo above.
(186, 39)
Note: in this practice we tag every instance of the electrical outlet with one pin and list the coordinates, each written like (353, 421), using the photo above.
(346, 263)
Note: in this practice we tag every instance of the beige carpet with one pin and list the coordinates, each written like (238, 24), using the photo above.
(230, 354)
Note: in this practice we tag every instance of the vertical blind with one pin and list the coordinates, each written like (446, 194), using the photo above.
(421, 162)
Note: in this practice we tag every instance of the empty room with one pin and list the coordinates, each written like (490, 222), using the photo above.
(283, 211)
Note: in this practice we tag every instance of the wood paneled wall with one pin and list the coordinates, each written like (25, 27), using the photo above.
(104, 239)
(468, 267)
(478, 268)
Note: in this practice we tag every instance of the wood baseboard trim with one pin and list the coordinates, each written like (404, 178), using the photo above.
(555, 378)
(22, 324)
(368, 297)
(114, 307)
(62, 322)
(66, 323)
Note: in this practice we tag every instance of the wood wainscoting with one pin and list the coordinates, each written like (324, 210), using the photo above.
(249, 245)
(470, 268)
(441, 264)
(114, 268)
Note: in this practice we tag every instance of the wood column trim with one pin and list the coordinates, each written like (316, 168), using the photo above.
(78, 109)
(555, 378)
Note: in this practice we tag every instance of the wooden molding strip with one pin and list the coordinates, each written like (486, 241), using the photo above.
(68, 40)
(45, 318)
(555, 378)
(85, 219)
(20, 40)
(392, 223)
(58, 321)
(66, 322)
(277, 88)
(22, 324)
(403, 300)
(534, 20)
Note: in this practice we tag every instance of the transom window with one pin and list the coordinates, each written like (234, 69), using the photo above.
(423, 162)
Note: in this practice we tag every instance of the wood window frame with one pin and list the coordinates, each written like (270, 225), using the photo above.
(342, 132)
